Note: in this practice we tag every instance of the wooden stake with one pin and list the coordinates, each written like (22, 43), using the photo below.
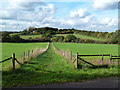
(76, 63)
(110, 58)
(28, 53)
(13, 61)
(32, 51)
(67, 53)
(71, 55)
(102, 58)
(63, 53)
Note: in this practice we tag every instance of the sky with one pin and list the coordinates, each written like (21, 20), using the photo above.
(91, 15)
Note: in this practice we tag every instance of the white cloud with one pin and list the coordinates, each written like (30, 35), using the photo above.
(7, 14)
(89, 18)
(24, 14)
(23, 4)
(108, 21)
(105, 4)
(20, 10)
(80, 18)
(79, 13)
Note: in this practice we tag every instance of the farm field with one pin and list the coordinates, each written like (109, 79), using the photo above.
(83, 37)
(18, 49)
(28, 36)
(88, 48)
(50, 67)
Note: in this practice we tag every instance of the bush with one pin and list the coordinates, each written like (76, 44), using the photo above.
(114, 41)
(6, 37)
(58, 39)
(16, 38)
(47, 35)
(70, 38)
(13, 38)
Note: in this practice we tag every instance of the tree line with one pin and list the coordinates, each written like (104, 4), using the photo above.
(49, 34)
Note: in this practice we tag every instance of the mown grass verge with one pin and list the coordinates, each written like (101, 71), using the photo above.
(49, 67)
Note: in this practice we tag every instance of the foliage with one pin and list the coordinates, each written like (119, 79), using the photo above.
(47, 34)
(70, 38)
(45, 30)
(13, 38)
(98, 35)
(58, 39)
(5, 37)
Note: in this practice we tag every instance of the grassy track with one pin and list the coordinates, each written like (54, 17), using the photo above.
(88, 37)
(18, 49)
(49, 67)
(83, 37)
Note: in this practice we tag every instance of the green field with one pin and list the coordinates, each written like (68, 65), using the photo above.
(83, 37)
(50, 67)
(88, 48)
(28, 36)
(18, 49)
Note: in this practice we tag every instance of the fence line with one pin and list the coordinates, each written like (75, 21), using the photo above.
(66, 54)
(28, 55)
(110, 59)
(6, 60)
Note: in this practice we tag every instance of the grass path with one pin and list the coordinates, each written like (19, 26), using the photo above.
(49, 67)
(44, 69)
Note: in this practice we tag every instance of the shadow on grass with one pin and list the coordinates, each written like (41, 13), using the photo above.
(36, 76)
(96, 66)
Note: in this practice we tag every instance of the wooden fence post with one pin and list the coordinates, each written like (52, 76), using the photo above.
(76, 63)
(67, 53)
(63, 53)
(113, 62)
(32, 51)
(24, 55)
(110, 58)
(71, 55)
(28, 53)
(13, 60)
(102, 58)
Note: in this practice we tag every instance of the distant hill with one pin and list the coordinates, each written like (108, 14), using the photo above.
(49, 32)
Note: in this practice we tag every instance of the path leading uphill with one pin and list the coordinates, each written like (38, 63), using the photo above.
(50, 68)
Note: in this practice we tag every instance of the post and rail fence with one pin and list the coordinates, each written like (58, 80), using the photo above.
(26, 55)
(110, 59)
(68, 55)
(13, 60)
